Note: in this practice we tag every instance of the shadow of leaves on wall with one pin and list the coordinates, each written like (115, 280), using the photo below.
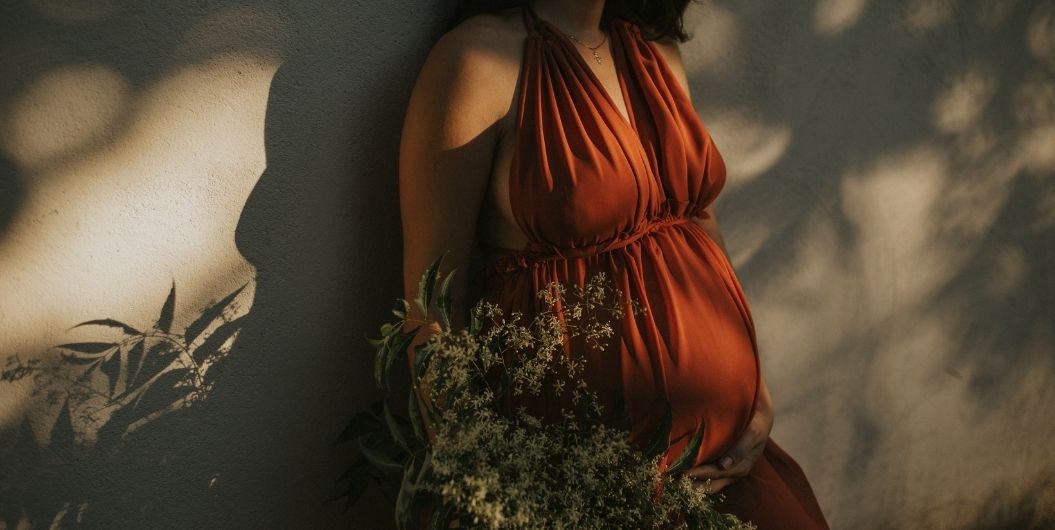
(108, 390)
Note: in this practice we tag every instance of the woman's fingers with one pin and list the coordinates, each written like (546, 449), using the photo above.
(715, 485)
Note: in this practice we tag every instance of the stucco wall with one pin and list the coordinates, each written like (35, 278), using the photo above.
(889, 210)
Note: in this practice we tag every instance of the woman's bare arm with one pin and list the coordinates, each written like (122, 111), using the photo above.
(446, 150)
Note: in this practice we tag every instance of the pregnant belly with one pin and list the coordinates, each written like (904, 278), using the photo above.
(693, 348)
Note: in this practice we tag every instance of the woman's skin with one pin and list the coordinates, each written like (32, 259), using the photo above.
(455, 156)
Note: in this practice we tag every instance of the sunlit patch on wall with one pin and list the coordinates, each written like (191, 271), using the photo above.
(1033, 107)
(718, 30)
(755, 144)
(64, 112)
(964, 99)
(993, 13)
(1040, 33)
(922, 15)
(835, 16)
(246, 30)
(890, 204)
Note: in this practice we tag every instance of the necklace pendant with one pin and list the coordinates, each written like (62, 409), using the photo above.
(596, 57)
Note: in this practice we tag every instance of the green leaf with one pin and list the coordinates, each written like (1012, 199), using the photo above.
(401, 308)
(380, 460)
(164, 322)
(414, 412)
(412, 492)
(376, 343)
(379, 362)
(444, 299)
(442, 517)
(661, 439)
(688, 456)
(109, 322)
(397, 350)
(422, 354)
(388, 329)
(427, 284)
(476, 322)
(396, 429)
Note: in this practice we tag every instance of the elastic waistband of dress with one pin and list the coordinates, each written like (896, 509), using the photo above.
(507, 260)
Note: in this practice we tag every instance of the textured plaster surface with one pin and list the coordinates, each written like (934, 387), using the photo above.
(889, 211)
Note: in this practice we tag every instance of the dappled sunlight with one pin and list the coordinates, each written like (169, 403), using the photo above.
(160, 203)
(266, 36)
(1034, 110)
(922, 15)
(749, 143)
(835, 16)
(993, 13)
(816, 285)
(115, 214)
(891, 204)
(1040, 33)
(964, 100)
(717, 33)
(65, 112)
(932, 401)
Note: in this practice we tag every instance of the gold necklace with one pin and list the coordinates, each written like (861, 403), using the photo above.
(593, 49)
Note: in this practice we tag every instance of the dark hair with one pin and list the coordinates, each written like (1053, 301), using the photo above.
(658, 19)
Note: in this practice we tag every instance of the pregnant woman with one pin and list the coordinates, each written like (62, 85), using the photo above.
(549, 140)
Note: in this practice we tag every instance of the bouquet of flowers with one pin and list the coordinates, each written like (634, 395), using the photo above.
(462, 457)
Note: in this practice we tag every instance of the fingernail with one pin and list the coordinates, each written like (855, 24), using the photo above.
(727, 462)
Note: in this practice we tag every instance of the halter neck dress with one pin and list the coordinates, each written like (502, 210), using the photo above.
(593, 192)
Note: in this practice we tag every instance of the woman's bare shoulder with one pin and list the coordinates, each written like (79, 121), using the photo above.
(485, 44)
(475, 64)
(671, 51)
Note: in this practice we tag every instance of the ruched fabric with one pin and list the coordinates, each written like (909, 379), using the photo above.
(595, 192)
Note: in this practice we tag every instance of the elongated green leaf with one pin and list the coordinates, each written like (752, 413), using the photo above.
(661, 439)
(379, 459)
(405, 498)
(164, 322)
(396, 351)
(401, 308)
(476, 321)
(379, 362)
(109, 322)
(442, 517)
(422, 355)
(396, 429)
(444, 299)
(427, 284)
(688, 456)
(388, 329)
(415, 418)
(376, 343)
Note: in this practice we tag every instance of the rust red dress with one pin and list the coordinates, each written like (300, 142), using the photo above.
(594, 192)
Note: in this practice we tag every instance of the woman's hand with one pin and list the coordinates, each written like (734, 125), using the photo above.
(739, 461)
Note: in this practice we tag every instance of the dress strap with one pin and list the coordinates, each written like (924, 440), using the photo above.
(531, 19)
